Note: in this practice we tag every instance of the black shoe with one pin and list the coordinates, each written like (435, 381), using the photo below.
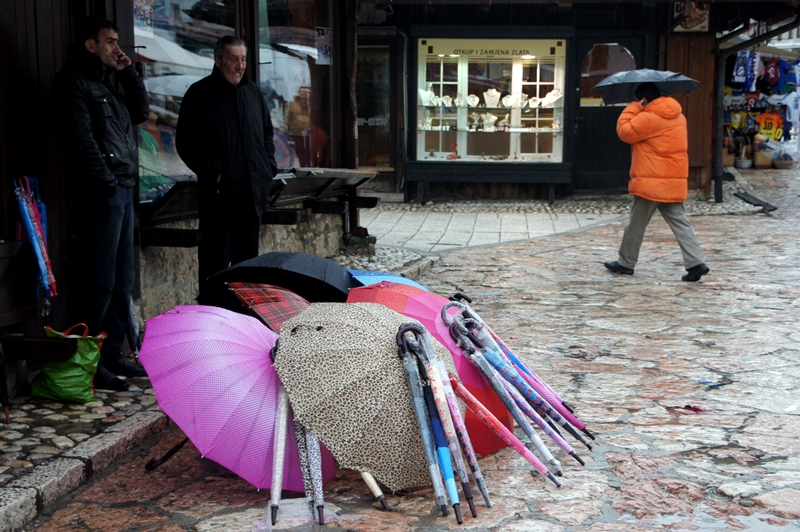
(694, 273)
(119, 365)
(616, 267)
(105, 380)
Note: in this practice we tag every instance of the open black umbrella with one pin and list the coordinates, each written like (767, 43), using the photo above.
(316, 279)
(620, 87)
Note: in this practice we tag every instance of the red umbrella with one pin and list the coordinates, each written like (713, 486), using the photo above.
(426, 308)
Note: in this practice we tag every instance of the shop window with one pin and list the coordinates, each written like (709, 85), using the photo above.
(490, 100)
(175, 45)
(294, 58)
(602, 61)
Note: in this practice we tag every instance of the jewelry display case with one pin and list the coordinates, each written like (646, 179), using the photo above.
(490, 100)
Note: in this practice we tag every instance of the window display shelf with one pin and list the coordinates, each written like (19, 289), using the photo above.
(490, 100)
(482, 108)
(497, 129)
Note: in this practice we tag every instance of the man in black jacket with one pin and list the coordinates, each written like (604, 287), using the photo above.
(224, 135)
(95, 124)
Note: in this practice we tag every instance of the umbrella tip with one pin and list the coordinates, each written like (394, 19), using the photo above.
(578, 458)
(382, 500)
(554, 479)
(457, 510)
(274, 513)
(321, 513)
(586, 431)
(444, 509)
(471, 504)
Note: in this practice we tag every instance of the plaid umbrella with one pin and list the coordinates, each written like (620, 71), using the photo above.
(272, 304)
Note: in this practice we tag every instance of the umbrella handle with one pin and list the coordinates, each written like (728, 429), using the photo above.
(458, 296)
(400, 338)
(457, 304)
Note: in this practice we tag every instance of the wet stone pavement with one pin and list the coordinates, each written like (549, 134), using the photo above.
(691, 390)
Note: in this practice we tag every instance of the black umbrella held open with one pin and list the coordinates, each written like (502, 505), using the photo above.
(316, 279)
(620, 87)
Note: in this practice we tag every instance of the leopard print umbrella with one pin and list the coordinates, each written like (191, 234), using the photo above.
(341, 367)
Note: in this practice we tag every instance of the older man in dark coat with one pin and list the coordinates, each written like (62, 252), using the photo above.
(225, 136)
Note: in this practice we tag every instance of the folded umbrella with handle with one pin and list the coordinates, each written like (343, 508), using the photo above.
(530, 376)
(421, 412)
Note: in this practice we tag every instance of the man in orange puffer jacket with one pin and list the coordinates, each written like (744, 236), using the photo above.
(656, 130)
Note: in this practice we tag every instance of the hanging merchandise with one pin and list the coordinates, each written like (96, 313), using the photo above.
(770, 125)
(774, 74)
(34, 219)
(792, 103)
(753, 70)
(740, 68)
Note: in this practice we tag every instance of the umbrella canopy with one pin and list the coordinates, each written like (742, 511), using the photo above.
(313, 278)
(426, 308)
(368, 277)
(212, 374)
(272, 304)
(346, 383)
(620, 87)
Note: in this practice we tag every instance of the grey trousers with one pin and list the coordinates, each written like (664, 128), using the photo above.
(675, 216)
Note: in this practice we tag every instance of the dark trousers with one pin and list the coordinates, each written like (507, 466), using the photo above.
(226, 241)
(105, 266)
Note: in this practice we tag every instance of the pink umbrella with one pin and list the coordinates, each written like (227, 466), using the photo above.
(212, 374)
(426, 308)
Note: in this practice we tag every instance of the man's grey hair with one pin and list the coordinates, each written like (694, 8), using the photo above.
(224, 42)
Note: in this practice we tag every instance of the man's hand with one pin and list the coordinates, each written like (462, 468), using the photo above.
(123, 61)
(643, 102)
(219, 177)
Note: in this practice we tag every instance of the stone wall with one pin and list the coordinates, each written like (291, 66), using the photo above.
(169, 275)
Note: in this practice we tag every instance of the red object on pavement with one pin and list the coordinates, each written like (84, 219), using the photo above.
(426, 308)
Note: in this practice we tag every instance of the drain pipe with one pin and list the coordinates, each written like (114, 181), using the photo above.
(719, 93)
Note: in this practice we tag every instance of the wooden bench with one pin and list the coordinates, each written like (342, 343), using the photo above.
(317, 190)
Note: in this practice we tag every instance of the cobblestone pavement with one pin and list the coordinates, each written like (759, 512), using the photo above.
(629, 353)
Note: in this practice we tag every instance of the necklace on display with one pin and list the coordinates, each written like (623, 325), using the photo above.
(491, 97)
(426, 97)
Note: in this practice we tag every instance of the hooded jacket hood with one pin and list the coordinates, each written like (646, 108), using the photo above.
(665, 107)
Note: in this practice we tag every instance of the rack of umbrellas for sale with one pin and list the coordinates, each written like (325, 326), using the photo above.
(292, 364)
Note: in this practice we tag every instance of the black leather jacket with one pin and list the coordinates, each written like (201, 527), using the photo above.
(95, 121)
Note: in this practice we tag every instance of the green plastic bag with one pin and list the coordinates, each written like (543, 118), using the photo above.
(70, 380)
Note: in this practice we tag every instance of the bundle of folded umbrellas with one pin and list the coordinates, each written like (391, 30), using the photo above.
(373, 383)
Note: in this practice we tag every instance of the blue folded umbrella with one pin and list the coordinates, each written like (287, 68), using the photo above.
(367, 277)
